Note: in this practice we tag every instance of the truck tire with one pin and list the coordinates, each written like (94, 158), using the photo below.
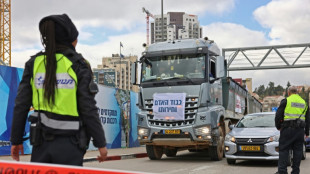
(154, 152)
(217, 152)
(171, 152)
(231, 161)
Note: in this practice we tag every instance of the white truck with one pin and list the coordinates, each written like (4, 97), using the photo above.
(186, 99)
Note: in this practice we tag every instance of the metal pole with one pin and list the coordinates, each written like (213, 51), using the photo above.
(162, 21)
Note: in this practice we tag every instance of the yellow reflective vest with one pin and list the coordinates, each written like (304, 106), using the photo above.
(295, 107)
(65, 94)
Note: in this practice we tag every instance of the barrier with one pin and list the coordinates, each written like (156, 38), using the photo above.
(113, 107)
(8, 167)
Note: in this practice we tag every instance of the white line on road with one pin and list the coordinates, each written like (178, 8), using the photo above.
(199, 169)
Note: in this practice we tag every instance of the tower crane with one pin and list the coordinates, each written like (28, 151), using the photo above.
(5, 32)
(148, 14)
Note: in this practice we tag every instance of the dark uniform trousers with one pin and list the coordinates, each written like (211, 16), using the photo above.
(59, 150)
(290, 138)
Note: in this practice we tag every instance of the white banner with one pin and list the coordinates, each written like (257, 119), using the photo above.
(169, 106)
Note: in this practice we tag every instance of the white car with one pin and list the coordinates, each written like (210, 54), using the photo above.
(254, 137)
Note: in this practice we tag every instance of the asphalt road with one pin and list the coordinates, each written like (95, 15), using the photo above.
(194, 163)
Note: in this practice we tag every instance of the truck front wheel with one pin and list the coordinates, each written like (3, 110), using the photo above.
(154, 152)
(217, 152)
(171, 152)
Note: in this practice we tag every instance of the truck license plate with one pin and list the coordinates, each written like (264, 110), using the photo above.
(176, 131)
(250, 148)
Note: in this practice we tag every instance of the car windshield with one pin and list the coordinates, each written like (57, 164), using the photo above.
(251, 121)
(173, 67)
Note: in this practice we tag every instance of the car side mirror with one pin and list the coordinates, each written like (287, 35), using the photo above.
(231, 126)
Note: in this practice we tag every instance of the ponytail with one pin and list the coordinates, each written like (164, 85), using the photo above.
(47, 30)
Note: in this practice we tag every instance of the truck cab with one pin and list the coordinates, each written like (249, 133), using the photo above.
(181, 98)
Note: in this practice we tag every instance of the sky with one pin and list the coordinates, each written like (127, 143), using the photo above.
(103, 24)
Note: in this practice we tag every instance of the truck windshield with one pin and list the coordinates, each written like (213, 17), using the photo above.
(173, 67)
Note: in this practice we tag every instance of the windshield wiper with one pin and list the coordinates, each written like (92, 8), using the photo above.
(182, 78)
(150, 80)
(157, 81)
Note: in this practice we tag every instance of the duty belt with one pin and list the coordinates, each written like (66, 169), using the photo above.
(298, 123)
(57, 124)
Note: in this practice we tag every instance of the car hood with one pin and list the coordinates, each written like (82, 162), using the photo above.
(254, 132)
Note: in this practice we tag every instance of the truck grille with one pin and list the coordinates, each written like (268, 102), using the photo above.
(191, 109)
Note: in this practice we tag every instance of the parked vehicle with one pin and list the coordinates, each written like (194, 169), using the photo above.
(254, 137)
(307, 143)
(186, 99)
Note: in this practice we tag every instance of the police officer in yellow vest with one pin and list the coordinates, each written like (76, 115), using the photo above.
(292, 119)
(58, 84)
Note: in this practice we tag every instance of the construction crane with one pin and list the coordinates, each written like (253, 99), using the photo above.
(148, 14)
(5, 32)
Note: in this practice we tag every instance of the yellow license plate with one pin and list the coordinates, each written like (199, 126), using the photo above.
(250, 148)
(176, 131)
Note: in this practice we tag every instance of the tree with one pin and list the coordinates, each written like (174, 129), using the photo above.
(260, 91)
(279, 90)
(304, 94)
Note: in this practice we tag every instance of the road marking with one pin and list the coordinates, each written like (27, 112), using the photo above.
(190, 172)
(198, 169)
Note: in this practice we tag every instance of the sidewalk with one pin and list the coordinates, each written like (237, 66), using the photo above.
(113, 154)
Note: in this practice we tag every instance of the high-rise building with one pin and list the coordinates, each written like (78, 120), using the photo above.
(116, 70)
(177, 25)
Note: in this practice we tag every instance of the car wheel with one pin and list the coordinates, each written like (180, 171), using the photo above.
(231, 161)
(304, 153)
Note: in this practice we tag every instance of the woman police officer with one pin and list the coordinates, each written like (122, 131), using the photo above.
(58, 84)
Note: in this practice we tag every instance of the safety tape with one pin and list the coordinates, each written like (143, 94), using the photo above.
(12, 167)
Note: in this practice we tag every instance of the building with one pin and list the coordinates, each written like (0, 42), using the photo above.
(177, 25)
(270, 102)
(116, 71)
(104, 76)
(246, 83)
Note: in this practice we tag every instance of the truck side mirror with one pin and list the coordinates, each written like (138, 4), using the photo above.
(220, 68)
(133, 79)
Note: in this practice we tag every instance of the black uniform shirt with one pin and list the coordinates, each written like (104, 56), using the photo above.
(280, 116)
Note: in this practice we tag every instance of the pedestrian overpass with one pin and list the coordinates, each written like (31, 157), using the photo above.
(267, 57)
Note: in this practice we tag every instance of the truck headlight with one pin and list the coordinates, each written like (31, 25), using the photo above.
(274, 138)
(143, 132)
(230, 138)
(203, 130)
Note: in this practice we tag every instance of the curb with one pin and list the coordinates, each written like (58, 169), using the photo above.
(118, 157)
